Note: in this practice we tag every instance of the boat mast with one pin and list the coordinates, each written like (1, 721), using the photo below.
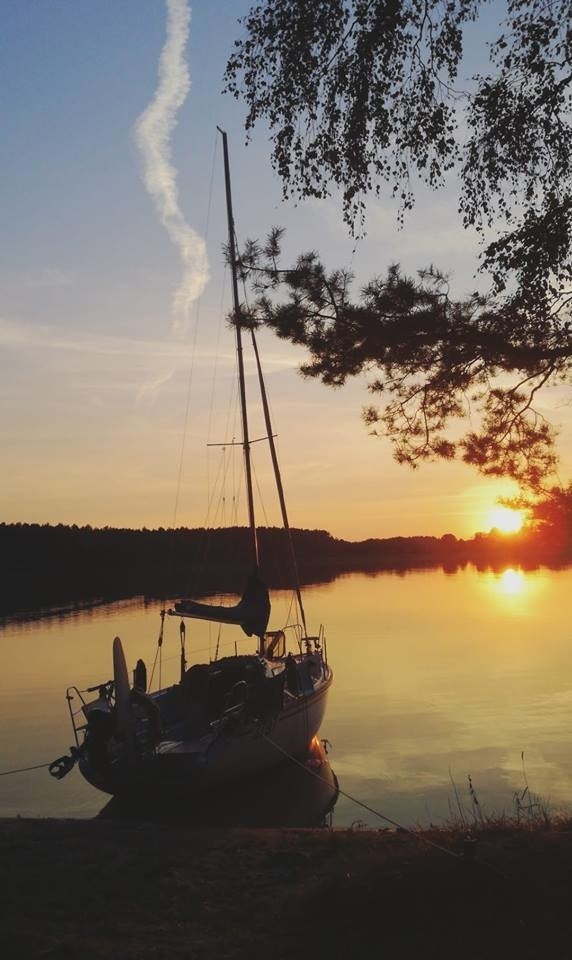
(279, 486)
(237, 327)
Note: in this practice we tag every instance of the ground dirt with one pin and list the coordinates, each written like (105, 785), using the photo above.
(95, 889)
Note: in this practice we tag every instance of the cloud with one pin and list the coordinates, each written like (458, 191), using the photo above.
(153, 131)
(32, 336)
(49, 277)
(148, 392)
(21, 335)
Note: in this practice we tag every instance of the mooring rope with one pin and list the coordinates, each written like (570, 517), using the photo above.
(37, 766)
(365, 806)
(344, 793)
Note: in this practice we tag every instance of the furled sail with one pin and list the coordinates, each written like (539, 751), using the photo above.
(251, 613)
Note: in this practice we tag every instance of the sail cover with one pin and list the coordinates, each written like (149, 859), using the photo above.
(251, 613)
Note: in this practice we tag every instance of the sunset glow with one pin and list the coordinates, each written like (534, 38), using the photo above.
(505, 519)
(97, 340)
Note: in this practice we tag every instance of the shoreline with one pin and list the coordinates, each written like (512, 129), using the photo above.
(69, 566)
(133, 889)
(66, 608)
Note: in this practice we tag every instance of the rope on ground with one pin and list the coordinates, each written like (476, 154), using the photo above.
(38, 766)
(365, 806)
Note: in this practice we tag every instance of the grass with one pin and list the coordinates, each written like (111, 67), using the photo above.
(483, 885)
(529, 811)
(135, 891)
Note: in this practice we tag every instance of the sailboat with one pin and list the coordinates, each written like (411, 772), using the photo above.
(233, 717)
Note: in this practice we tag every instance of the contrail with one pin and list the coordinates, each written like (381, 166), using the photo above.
(153, 130)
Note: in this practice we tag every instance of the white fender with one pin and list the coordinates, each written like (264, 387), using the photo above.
(123, 718)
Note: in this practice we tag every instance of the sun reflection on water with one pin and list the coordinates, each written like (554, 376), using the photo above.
(512, 582)
(513, 590)
(516, 591)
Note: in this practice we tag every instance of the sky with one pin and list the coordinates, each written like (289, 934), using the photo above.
(116, 363)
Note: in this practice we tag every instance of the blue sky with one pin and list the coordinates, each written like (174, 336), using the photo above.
(93, 378)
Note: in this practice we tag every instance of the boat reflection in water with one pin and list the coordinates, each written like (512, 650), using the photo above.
(293, 794)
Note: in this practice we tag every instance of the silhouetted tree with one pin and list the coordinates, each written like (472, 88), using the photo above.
(550, 515)
(58, 565)
(431, 359)
(362, 96)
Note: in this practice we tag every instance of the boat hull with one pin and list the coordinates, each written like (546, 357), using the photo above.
(222, 756)
(300, 794)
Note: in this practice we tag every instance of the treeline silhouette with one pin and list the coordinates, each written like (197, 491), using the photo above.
(47, 566)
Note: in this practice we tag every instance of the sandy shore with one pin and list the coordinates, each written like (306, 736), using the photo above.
(95, 889)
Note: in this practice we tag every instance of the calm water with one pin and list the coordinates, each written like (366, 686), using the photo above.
(437, 677)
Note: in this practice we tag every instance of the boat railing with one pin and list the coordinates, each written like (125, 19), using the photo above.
(74, 714)
(299, 632)
(73, 693)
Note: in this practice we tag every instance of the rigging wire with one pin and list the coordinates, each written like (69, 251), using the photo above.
(193, 350)
(219, 480)
(237, 497)
(197, 566)
(260, 497)
(206, 649)
(217, 356)
(158, 651)
(269, 419)
(171, 559)
(292, 602)
(211, 521)
(231, 413)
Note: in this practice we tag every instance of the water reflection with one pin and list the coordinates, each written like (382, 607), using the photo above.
(299, 794)
(433, 673)
(512, 582)
(516, 590)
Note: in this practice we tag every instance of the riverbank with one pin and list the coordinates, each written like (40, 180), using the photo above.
(131, 890)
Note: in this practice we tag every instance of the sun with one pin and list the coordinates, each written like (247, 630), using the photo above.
(505, 519)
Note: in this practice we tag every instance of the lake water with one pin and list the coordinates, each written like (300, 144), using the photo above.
(437, 677)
